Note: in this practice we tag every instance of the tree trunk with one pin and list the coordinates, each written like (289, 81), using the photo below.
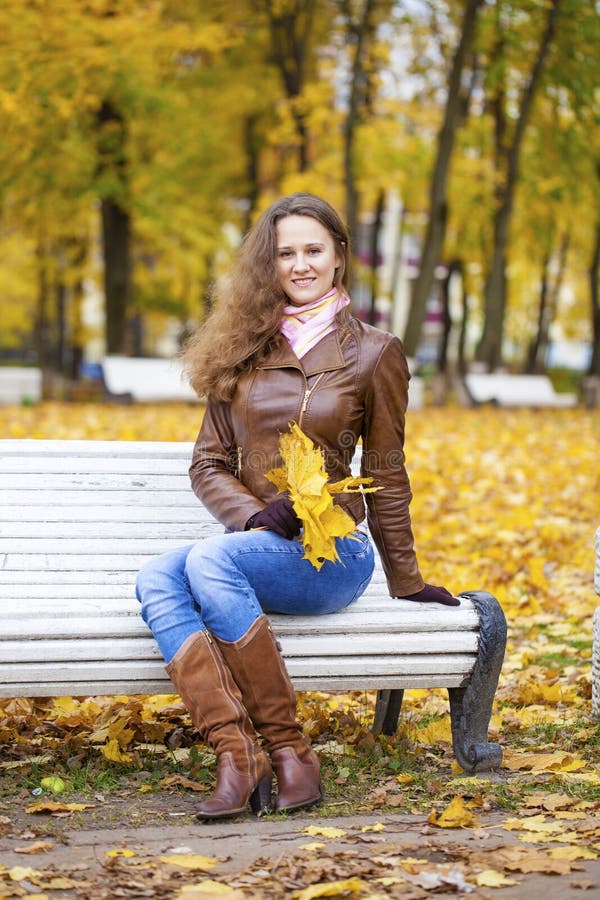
(61, 327)
(549, 292)
(436, 222)
(464, 324)
(116, 226)
(455, 267)
(489, 350)
(79, 252)
(533, 354)
(41, 328)
(374, 256)
(252, 145)
(357, 33)
(594, 274)
(116, 232)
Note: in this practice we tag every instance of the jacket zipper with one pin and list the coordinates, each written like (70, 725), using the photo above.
(307, 395)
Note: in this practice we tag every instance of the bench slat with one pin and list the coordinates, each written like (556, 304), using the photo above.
(339, 645)
(17, 583)
(102, 513)
(51, 687)
(312, 666)
(109, 482)
(26, 534)
(138, 501)
(92, 466)
(369, 614)
(115, 624)
(126, 559)
(37, 448)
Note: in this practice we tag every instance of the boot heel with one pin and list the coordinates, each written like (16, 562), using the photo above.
(260, 798)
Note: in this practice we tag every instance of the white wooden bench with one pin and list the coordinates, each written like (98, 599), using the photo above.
(146, 379)
(20, 384)
(503, 389)
(78, 519)
(596, 638)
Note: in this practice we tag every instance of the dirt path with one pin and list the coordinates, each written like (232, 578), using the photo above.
(158, 857)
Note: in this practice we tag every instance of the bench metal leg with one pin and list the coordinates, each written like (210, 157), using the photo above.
(387, 711)
(471, 705)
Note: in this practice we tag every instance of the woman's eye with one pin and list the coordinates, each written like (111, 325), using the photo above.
(284, 254)
(314, 251)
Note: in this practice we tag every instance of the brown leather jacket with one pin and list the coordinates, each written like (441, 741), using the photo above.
(353, 384)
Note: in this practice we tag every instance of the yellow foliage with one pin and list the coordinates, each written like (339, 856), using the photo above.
(194, 862)
(323, 831)
(456, 815)
(332, 889)
(112, 751)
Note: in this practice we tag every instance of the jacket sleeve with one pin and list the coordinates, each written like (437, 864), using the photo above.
(213, 471)
(383, 459)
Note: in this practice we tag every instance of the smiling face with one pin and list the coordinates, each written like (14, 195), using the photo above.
(306, 258)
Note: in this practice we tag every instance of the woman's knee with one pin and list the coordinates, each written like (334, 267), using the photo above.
(161, 574)
(206, 559)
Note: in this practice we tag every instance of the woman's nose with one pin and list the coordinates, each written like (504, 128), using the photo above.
(301, 263)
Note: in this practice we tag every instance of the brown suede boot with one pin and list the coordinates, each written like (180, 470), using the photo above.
(258, 668)
(205, 685)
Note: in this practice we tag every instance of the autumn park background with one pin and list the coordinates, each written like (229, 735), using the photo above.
(461, 141)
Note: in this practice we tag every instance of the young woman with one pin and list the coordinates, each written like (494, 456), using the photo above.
(280, 346)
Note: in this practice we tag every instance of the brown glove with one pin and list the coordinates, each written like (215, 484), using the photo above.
(432, 594)
(278, 516)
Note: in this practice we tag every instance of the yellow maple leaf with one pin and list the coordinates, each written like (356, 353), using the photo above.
(194, 862)
(113, 752)
(208, 889)
(572, 853)
(456, 815)
(22, 873)
(323, 831)
(378, 826)
(55, 808)
(556, 761)
(405, 778)
(331, 889)
(492, 878)
(537, 824)
(304, 478)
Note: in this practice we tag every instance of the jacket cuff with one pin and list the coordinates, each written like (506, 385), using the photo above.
(405, 587)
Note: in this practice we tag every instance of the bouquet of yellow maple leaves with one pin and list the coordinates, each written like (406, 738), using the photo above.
(303, 477)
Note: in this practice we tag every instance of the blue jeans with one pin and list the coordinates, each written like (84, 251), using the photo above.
(224, 583)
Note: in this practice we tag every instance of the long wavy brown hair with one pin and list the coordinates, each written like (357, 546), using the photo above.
(246, 314)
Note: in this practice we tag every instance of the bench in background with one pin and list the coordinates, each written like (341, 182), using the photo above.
(20, 384)
(146, 380)
(503, 389)
(79, 518)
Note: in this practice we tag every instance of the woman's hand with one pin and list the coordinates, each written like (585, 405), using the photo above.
(432, 594)
(278, 516)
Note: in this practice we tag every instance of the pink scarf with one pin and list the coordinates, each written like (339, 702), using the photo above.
(304, 326)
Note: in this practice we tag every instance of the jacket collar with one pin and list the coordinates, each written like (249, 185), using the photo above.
(326, 356)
